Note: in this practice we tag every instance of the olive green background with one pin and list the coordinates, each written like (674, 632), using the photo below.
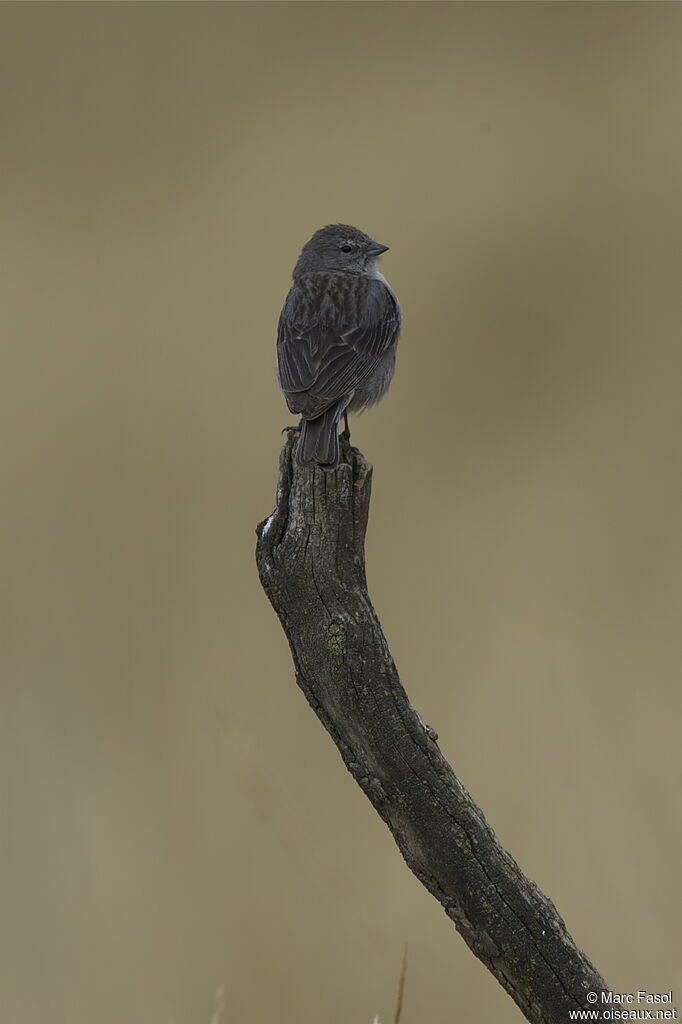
(175, 822)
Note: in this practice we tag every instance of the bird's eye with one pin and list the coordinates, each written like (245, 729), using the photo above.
(346, 247)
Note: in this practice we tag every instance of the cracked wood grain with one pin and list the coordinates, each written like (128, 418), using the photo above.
(311, 562)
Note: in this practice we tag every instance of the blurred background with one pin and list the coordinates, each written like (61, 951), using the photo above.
(178, 830)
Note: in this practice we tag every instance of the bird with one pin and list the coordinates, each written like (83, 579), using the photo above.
(337, 337)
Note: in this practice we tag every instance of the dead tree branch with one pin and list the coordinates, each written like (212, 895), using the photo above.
(311, 561)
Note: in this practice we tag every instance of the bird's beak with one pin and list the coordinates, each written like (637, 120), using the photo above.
(376, 249)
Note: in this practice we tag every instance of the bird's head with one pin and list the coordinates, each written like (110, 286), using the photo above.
(339, 248)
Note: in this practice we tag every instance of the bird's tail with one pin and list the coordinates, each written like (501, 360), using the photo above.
(319, 441)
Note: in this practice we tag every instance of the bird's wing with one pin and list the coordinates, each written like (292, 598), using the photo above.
(319, 363)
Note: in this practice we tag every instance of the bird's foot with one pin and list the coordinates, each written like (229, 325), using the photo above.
(294, 426)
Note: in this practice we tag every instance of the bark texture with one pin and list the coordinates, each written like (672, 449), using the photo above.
(311, 562)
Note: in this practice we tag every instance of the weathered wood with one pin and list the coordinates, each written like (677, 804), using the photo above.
(311, 561)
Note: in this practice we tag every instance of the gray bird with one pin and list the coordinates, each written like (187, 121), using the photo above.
(337, 337)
